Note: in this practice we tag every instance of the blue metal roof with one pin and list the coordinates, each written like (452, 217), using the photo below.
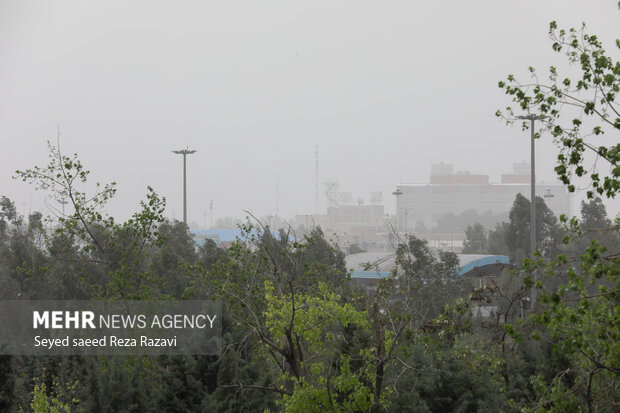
(383, 263)
(482, 261)
(220, 235)
(370, 275)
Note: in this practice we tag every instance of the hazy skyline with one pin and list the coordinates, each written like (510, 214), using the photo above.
(383, 89)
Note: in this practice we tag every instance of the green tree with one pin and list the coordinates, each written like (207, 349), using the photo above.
(497, 239)
(22, 259)
(7, 384)
(209, 253)
(168, 258)
(403, 305)
(44, 403)
(355, 249)
(593, 226)
(8, 216)
(594, 215)
(91, 255)
(284, 294)
(593, 94)
(548, 232)
(580, 315)
(513, 238)
(322, 346)
(475, 239)
(111, 256)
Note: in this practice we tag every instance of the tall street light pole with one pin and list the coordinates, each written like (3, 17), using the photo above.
(532, 119)
(397, 194)
(211, 214)
(407, 218)
(184, 152)
(64, 202)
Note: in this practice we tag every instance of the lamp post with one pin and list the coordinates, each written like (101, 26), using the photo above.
(64, 202)
(397, 193)
(532, 119)
(211, 212)
(407, 218)
(479, 244)
(184, 152)
(548, 195)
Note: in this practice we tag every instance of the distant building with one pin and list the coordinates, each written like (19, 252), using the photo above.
(355, 216)
(345, 225)
(344, 217)
(224, 238)
(450, 192)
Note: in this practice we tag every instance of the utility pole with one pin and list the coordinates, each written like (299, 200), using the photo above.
(184, 152)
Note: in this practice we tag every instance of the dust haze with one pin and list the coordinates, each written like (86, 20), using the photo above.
(375, 94)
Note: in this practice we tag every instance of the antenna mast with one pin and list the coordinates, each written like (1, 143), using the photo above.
(316, 181)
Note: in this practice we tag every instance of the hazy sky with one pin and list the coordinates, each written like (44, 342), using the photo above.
(383, 88)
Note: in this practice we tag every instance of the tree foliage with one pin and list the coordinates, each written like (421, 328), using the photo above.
(475, 239)
(580, 296)
(548, 233)
(299, 336)
(576, 111)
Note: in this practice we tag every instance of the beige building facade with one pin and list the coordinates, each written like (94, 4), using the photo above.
(450, 192)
